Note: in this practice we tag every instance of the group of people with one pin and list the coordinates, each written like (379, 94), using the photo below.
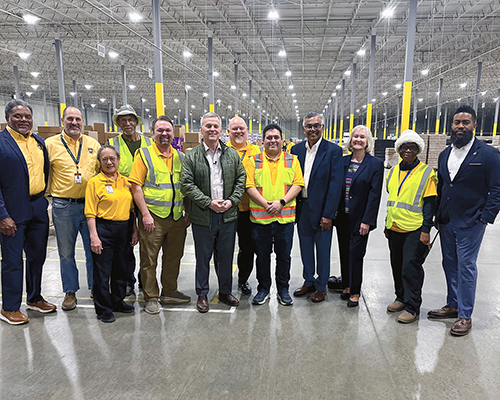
(134, 189)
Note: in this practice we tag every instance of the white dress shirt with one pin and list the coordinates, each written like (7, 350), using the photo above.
(216, 180)
(457, 157)
(308, 163)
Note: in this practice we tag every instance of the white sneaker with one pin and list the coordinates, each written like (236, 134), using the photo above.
(152, 307)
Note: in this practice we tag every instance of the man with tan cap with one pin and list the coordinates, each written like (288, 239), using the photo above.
(127, 144)
(238, 135)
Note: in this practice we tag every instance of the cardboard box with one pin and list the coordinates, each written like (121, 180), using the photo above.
(46, 135)
(188, 146)
(88, 128)
(50, 129)
(192, 137)
(92, 134)
(3, 125)
(179, 131)
(100, 127)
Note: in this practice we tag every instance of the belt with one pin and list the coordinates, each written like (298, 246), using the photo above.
(36, 196)
(79, 201)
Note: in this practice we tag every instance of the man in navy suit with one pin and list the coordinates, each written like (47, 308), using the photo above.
(24, 222)
(468, 200)
(322, 167)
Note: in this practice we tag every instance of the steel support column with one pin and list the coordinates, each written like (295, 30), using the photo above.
(250, 113)
(211, 87)
(410, 50)
(495, 122)
(438, 109)
(60, 76)
(17, 93)
(236, 89)
(478, 85)
(369, 104)
(158, 70)
(353, 96)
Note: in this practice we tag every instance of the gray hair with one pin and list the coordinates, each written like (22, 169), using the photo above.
(15, 103)
(369, 138)
(76, 108)
(107, 146)
(211, 115)
(312, 114)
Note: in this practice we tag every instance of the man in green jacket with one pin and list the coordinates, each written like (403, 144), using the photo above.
(213, 179)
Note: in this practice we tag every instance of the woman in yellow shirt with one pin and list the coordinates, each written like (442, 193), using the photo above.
(110, 217)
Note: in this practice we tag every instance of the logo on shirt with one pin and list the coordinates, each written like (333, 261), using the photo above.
(91, 150)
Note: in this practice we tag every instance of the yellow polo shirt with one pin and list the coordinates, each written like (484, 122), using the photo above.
(63, 168)
(140, 170)
(100, 203)
(246, 154)
(298, 179)
(33, 154)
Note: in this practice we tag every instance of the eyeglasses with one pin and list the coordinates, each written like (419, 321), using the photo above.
(410, 147)
(106, 159)
(315, 126)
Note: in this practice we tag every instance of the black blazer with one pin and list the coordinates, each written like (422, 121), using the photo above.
(474, 194)
(365, 193)
(14, 179)
(325, 182)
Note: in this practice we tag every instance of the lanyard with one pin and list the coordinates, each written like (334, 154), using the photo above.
(76, 160)
(243, 155)
(404, 179)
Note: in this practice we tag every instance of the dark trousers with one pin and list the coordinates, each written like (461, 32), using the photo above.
(247, 248)
(31, 236)
(314, 239)
(408, 254)
(352, 249)
(218, 240)
(110, 267)
(266, 237)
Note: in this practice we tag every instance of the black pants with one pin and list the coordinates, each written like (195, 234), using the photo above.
(110, 267)
(408, 254)
(352, 249)
(247, 248)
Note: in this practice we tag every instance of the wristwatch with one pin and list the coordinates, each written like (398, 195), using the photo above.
(283, 202)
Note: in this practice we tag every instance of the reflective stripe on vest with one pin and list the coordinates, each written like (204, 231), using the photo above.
(165, 197)
(126, 158)
(406, 210)
(285, 173)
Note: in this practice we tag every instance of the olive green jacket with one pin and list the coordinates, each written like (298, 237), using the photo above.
(195, 183)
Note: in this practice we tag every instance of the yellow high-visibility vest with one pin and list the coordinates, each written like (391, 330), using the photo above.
(162, 190)
(127, 159)
(284, 181)
(406, 207)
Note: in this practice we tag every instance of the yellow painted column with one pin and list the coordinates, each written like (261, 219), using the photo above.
(250, 126)
(405, 117)
(351, 123)
(211, 108)
(160, 104)
(369, 115)
(437, 126)
(341, 132)
(494, 129)
(335, 131)
(62, 107)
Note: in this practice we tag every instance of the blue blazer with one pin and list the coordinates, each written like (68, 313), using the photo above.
(14, 179)
(325, 182)
(474, 194)
(365, 192)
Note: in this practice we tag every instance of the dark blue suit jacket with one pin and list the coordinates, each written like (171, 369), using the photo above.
(474, 194)
(325, 182)
(14, 179)
(364, 194)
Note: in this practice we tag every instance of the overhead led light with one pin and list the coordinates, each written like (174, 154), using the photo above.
(143, 100)
(425, 72)
(193, 106)
(72, 94)
(187, 53)
(216, 74)
(459, 99)
(288, 73)
(293, 94)
(146, 109)
(134, 17)
(397, 85)
(218, 102)
(112, 54)
(374, 100)
(233, 87)
(384, 94)
(437, 93)
(338, 87)
(187, 87)
(35, 74)
(35, 87)
(205, 94)
(102, 99)
(88, 87)
(420, 99)
(495, 99)
(296, 107)
(31, 19)
(282, 53)
(364, 106)
(29, 94)
(348, 72)
(244, 94)
(24, 56)
(295, 100)
(388, 12)
(482, 93)
(230, 107)
(131, 87)
(463, 85)
(329, 100)
(290, 87)
(357, 110)
(273, 15)
(93, 105)
(253, 101)
(361, 52)
(176, 100)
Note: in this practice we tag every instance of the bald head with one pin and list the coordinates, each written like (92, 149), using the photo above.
(238, 132)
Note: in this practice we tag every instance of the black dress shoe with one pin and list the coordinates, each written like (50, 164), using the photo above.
(352, 304)
(229, 299)
(335, 283)
(106, 317)
(245, 288)
(202, 304)
(345, 296)
(124, 308)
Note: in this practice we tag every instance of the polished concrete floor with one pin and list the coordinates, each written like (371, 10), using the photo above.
(316, 351)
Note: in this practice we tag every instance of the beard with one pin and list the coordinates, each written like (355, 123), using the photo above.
(460, 140)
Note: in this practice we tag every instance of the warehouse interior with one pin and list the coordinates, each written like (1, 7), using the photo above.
(272, 61)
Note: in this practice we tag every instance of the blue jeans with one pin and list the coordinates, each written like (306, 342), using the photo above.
(460, 248)
(264, 236)
(69, 219)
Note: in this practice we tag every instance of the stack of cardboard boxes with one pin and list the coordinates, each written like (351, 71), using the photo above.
(191, 139)
(98, 132)
(434, 144)
(48, 131)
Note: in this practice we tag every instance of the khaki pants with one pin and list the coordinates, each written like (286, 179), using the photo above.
(169, 235)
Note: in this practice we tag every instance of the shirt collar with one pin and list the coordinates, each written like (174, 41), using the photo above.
(208, 148)
(465, 148)
(315, 145)
(69, 139)
(159, 153)
(273, 160)
(17, 134)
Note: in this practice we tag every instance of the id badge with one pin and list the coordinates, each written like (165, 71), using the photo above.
(109, 189)
(78, 178)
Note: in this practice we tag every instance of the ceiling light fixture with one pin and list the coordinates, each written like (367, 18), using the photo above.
(35, 87)
(425, 72)
(288, 73)
(348, 72)
(24, 56)
(131, 87)
(112, 54)
(397, 85)
(102, 99)
(29, 94)
(361, 52)
(282, 53)
(290, 87)
(273, 15)
(216, 74)
(187, 53)
(388, 12)
(31, 19)
(35, 74)
(176, 100)
(463, 85)
(134, 17)
(88, 87)
(93, 105)
(384, 94)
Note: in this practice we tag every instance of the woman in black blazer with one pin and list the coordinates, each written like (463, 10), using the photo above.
(358, 209)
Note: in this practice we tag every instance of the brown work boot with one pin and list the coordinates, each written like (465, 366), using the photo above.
(69, 302)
